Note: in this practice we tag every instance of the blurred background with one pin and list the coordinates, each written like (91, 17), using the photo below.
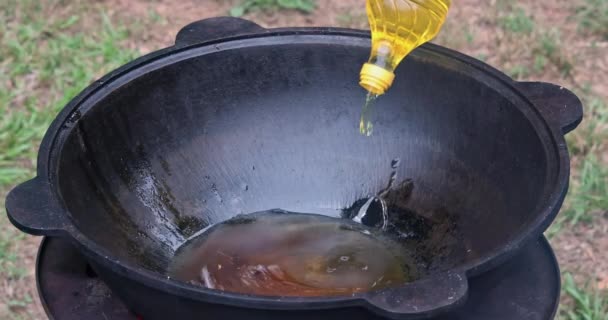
(50, 50)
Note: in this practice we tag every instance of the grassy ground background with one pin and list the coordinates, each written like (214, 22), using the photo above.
(50, 50)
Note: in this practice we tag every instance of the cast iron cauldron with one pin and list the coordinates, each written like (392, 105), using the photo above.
(235, 118)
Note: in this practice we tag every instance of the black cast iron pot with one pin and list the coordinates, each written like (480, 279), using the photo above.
(235, 118)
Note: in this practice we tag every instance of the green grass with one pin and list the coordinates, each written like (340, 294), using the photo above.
(517, 21)
(45, 64)
(549, 49)
(246, 6)
(518, 72)
(8, 258)
(469, 35)
(587, 303)
(348, 19)
(592, 134)
(593, 17)
(482, 57)
(588, 194)
(45, 60)
(536, 48)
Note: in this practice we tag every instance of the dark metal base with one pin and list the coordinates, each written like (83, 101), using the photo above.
(526, 288)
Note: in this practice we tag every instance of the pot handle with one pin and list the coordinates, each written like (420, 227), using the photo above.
(556, 103)
(421, 299)
(32, 207)
(214, 29)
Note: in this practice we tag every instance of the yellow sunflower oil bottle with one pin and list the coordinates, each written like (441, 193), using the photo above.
(398, 27)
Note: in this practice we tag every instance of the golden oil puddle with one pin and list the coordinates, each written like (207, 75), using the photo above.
(280, 253)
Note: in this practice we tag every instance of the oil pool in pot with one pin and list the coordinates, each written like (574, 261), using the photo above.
(279, 253)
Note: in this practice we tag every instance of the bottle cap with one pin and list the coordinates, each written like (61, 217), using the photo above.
(376, 79)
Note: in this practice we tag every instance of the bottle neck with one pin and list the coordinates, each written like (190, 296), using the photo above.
(377, 74)
(383, 55)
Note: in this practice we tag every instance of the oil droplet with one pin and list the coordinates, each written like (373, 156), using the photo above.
(216, 193)
(75, 116)
(366, 124)
(395, 163)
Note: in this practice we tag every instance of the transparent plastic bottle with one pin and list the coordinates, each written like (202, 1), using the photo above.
(398, 27)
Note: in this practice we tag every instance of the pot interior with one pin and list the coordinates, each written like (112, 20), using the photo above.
(204, 135)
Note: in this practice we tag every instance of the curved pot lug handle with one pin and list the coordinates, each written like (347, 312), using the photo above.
(556, 103)
(33, 209)
(421, 299)
(215, 28)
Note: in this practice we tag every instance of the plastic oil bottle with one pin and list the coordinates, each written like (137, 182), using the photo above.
(398, 27)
